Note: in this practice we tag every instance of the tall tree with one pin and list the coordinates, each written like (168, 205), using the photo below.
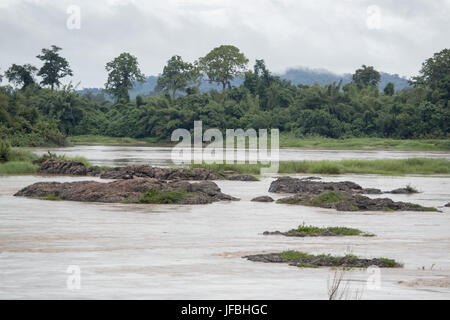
(435, 74)
(223, 64)
(366, 76)
(55, 67)
(122, 72)
(177, 75)
(389, 90)
(21, 75)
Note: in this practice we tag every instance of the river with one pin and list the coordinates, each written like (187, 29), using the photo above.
(133, 251)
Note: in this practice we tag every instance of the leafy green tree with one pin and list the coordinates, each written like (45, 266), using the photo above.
(389, 90)
(21, 75)
(122, 72)
(435, 74)
(55, 67)
(223, 64)
(177, 75)
(366, 76)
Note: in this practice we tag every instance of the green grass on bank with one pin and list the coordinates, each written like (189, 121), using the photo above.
(17, 167)
(365, 144)
(380, 166)
(104, 140)
(288, 141)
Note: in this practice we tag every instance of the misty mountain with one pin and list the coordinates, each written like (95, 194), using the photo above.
(297, 76)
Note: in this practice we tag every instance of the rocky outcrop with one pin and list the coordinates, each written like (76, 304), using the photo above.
(342, 196)
(403, 191)
(132, 190)
(326, 233)
(371, 191)
(447, 205)
(323, 261)
(263, 199)
(241, 177)
(294, 185)
(146, 171)
(67, 167)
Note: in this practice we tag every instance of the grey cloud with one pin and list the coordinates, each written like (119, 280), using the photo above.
(327, 34)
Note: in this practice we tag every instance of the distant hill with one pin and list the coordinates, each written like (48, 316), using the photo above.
(296, 76)
(324, 77)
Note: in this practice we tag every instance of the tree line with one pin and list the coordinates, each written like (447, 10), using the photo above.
(45, 112)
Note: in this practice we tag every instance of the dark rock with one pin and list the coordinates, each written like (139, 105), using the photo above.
(371, 191)
(129, 190)
(353, 202)
(63, 167)
(294, 185)
(447, 205)
(146, 171)
(241, 177)
(401, 191)
(263, 199)
(342, 196)
(326, 233)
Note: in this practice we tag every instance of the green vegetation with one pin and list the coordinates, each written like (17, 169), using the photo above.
(390, 262)
(379, 166)
(50, 155)
(17, 167)
(104, 140)
(348, 261)
(327, 197)
(411, 189)
(307, 265)
(344, 231)
(31, 115)
(164, 196)
(5, 149)
(290, 141)
(52, 197)
(18, 161)
(21, 161)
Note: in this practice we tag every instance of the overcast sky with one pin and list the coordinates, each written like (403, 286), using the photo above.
(394, 36)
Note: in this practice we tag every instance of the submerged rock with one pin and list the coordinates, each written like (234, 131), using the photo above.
(241, 177)
(326, 233)
(263, 199)
(371, 191)
(133, 190)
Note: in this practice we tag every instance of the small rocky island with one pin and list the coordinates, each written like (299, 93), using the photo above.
(138, 190)
(55, 166)
(305, 260)
(342, 196)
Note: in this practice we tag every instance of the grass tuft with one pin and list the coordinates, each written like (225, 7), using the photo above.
(164, 196)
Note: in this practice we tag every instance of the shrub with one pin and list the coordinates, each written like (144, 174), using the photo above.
(5, 149)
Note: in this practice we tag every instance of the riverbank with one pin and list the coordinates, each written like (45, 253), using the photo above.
(424, 166)
(22, 161)
(287, 141)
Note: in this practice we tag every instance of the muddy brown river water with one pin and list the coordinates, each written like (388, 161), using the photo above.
(194, 252)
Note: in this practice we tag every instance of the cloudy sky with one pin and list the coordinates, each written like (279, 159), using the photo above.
(394, 36)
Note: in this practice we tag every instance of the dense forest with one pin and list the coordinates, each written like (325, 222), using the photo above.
(43, 112)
